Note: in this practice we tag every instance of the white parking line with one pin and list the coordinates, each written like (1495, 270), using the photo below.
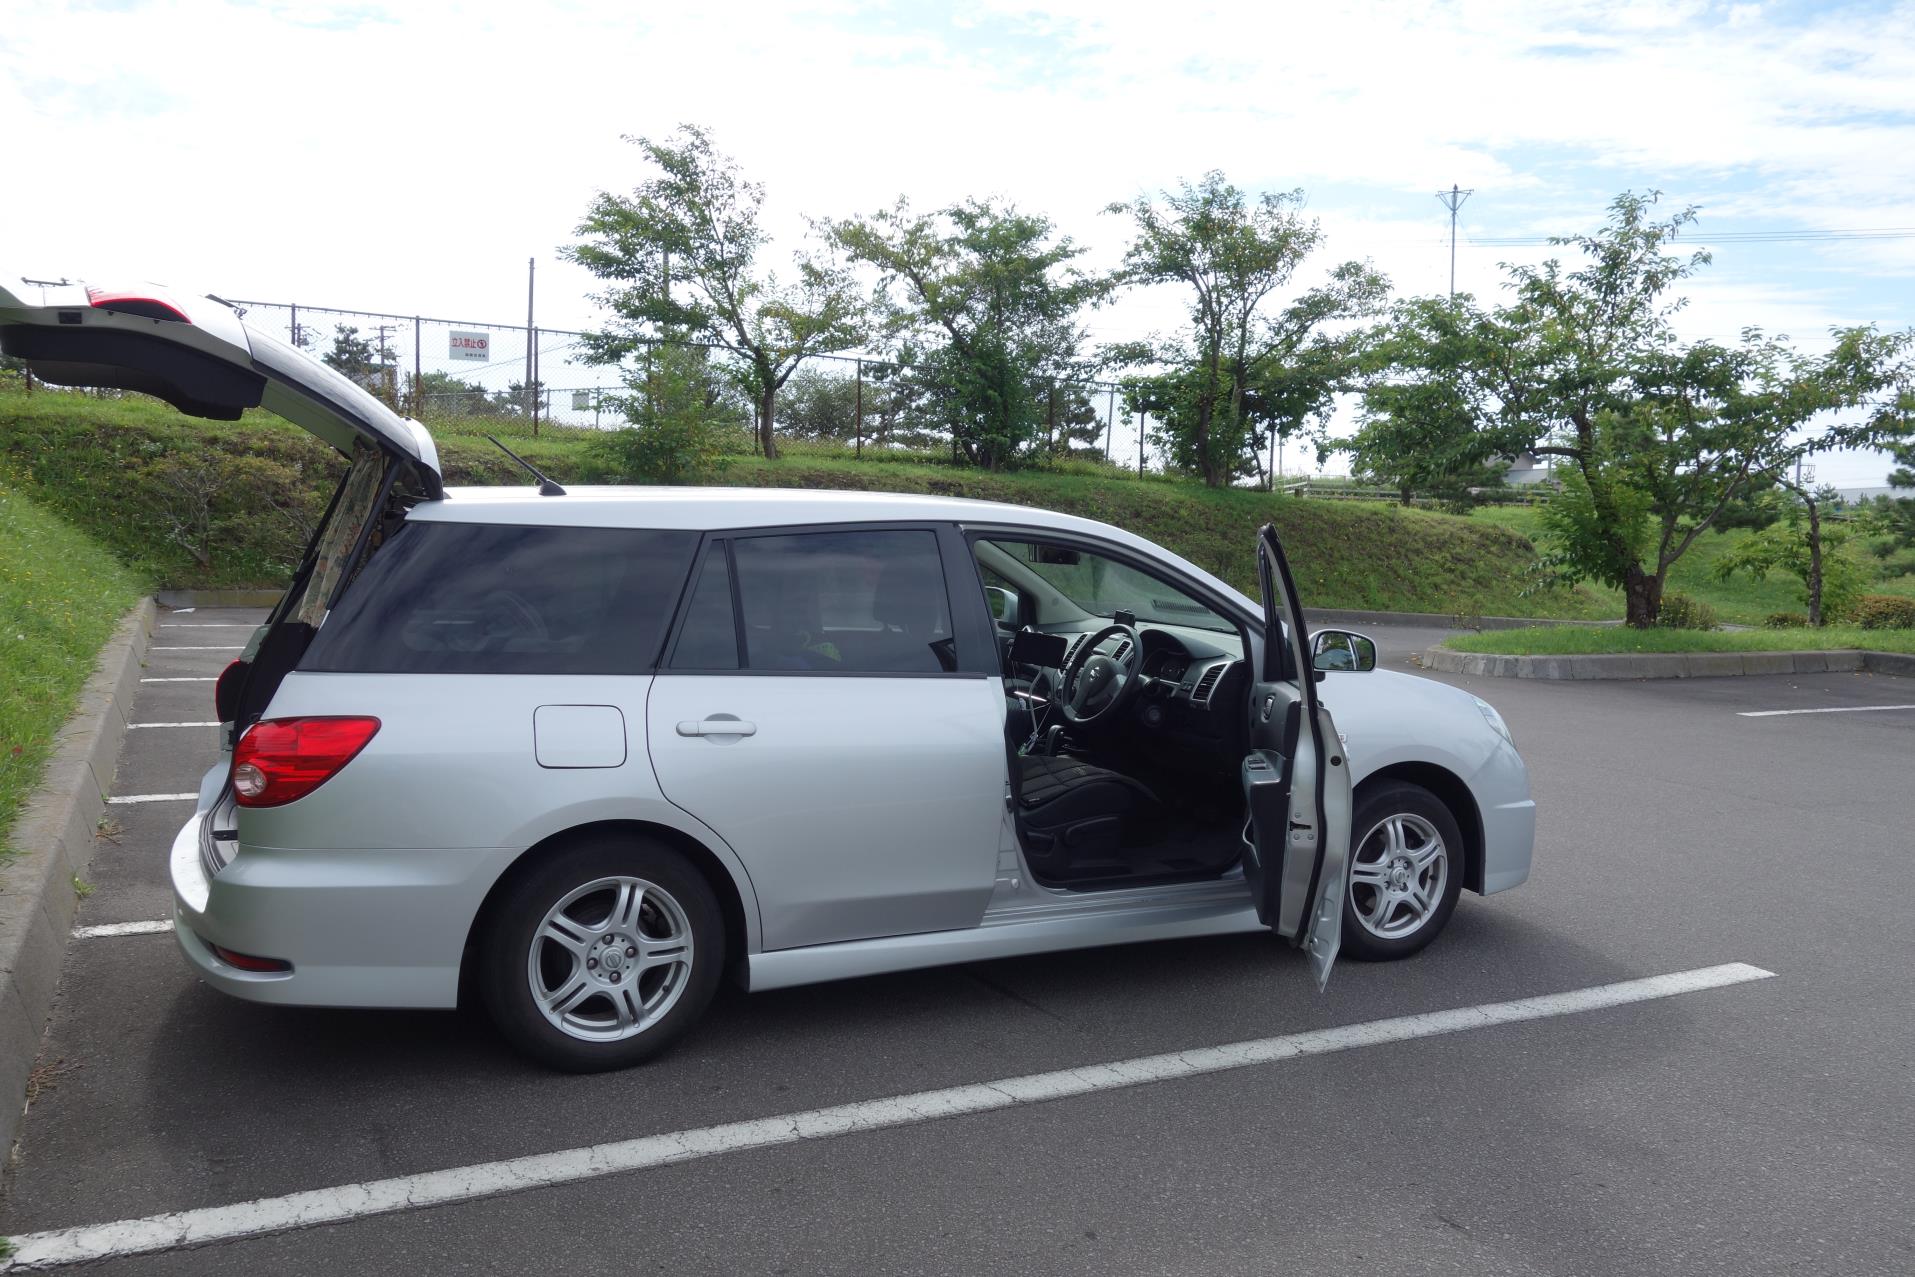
(208, 625)
(152, 798)
(136, 726)
(157, 648)
(107, 930)
(210, 678)
(1833, 709)
(179, 1229)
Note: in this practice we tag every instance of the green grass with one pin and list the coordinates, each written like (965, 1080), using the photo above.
(1568, 640)
(61, 595)
(1740, 600)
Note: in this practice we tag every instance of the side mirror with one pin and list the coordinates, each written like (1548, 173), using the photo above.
(1342, 650)
(1003, 604)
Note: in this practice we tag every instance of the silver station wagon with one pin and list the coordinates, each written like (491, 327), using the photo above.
(586, 753)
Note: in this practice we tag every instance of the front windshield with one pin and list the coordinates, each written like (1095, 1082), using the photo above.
(1103, 587)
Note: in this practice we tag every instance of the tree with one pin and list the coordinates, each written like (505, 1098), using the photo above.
(1234, 254)
(447, 396)
(1661, 438)
(1426, 411)
(678, 417)
(984, 303)
(368, 361)
(1815, 554)
(694, 224)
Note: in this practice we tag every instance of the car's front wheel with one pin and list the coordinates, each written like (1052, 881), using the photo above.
(602, 954)
(1405, 872)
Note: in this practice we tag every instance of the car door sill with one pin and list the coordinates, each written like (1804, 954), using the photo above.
(1025, 930)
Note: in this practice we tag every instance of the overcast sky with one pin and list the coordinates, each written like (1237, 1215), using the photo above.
(411, 157)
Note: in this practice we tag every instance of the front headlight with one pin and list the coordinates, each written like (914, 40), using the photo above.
(1494, 719)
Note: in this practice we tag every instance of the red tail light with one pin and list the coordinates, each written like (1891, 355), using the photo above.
(282, 759)
(247, 962)
(226, 691)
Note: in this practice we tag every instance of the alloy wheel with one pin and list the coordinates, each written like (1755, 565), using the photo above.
(1398, 875)
(610, 959)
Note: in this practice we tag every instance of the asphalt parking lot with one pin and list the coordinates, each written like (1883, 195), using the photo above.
(1765, 1126)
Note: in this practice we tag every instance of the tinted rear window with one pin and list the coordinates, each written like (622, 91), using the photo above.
(462, 598)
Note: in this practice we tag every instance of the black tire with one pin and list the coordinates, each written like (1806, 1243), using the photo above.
(506, 957)
(1375, 806)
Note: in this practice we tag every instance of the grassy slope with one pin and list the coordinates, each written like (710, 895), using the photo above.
(1569, 640)
(61, 594)
(1741, 600)
(95, 462)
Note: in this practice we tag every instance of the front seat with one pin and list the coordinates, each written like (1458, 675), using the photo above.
(1074, 817)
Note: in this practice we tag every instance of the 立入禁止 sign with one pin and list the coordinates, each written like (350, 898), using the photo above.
(476, 346)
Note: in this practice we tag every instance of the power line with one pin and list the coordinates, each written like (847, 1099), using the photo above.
(1729, 237)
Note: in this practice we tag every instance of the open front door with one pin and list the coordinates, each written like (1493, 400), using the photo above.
(1296, 781)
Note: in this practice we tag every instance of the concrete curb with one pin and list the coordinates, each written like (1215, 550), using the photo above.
(55, 835)
(1436, 620)
(218, 598)
(1639, 665)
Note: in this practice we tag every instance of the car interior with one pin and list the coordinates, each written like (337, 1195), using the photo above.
(1126, 729)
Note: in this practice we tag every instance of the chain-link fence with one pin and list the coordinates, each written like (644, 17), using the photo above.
(443, 370)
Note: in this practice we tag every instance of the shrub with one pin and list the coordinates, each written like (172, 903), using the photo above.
(1883, 612)
(1784, 621)
(1680, 612)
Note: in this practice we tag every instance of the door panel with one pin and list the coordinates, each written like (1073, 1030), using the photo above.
(861, 806)
(1296, 782)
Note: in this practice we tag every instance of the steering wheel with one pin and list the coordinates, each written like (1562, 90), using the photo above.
(1095, 687)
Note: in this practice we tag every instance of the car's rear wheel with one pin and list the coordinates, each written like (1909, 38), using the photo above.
(602, 954)
(1405, 872)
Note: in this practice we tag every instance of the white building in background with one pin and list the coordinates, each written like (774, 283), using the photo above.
(1525, 468)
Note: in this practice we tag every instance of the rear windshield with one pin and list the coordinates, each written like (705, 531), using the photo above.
(463, 598)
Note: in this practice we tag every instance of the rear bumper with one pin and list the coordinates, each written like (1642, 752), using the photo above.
(360, 928)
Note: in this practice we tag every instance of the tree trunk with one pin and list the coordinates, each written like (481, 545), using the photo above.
(1642, 597)
(1815, 562)
(767, 443)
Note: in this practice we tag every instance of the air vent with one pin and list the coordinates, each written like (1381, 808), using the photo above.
(1123, 650)
(1200, 694)
(1072, 652)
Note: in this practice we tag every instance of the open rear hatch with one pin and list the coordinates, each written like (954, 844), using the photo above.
(196, 354)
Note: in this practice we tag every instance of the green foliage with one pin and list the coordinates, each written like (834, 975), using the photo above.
(1243, 374)
(983, 301)
(679, 257)
(1584, 363)
(61, 595)
(679, 420)
(1784, 547)
(1680, 612)
(1883, 612)
(1426, 408)
(1785, 621)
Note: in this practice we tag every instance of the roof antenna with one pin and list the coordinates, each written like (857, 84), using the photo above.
(546, 487)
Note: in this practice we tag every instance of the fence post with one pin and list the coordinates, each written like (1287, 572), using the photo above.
(1142, 417)
(1050, 426)
(537, 391)
(297, 344)
(418, 377)
(1110, 423)
(860, 417)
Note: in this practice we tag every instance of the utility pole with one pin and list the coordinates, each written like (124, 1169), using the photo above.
(1452, 200)
(418, 375)
(531, 268)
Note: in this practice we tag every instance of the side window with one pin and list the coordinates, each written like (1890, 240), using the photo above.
(467, 598)
(845, 603)
(709, 637)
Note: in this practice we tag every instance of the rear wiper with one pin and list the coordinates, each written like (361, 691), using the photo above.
(547, 488)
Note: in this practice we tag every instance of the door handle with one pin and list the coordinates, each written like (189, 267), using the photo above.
(718, 727)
